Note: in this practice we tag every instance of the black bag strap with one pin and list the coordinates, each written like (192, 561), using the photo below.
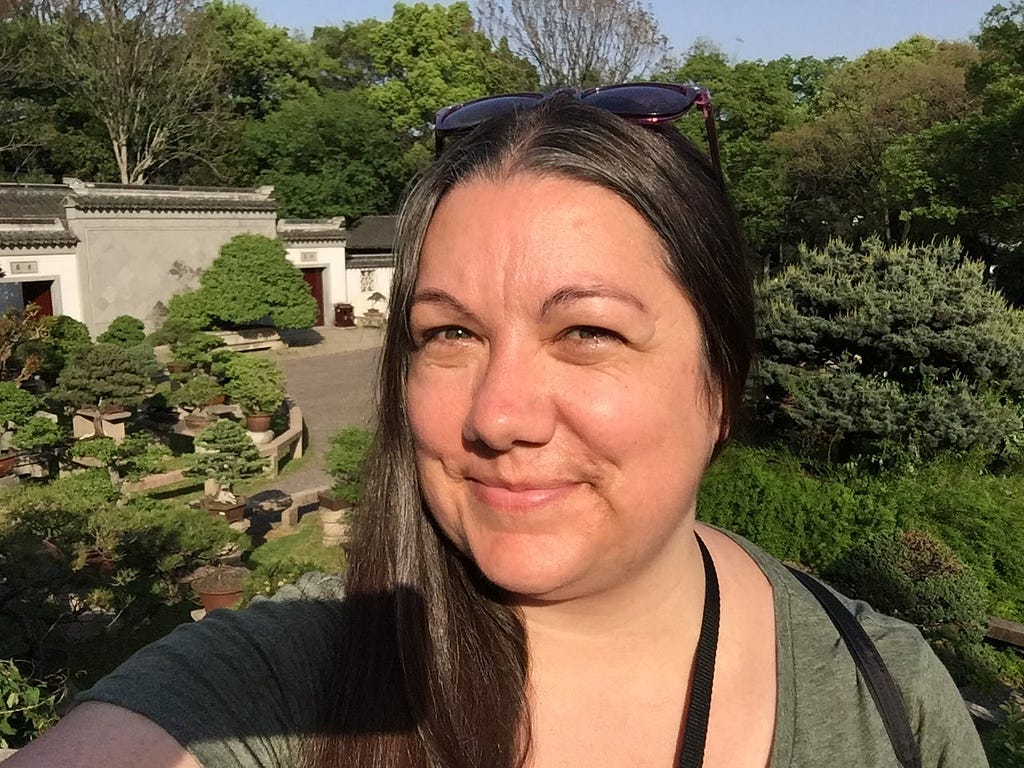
(880, 683)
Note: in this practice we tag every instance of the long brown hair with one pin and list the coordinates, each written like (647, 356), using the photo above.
(431, 665)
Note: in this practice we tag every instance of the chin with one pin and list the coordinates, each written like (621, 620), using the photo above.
(525, 569)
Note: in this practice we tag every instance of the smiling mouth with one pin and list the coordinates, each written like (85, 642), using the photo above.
(520, 497)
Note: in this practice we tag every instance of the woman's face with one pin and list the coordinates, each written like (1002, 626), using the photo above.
(558, 392)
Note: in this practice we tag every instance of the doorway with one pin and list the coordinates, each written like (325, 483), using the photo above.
(314, 278)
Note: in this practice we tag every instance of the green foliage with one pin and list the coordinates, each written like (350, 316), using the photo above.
(250, 280)
(103, 374)
(124, 330)
(153, 543)
(196, 391)
(265, 579)
(899, 353)
(102, 448)
(172, 330)
(38, 433)
(16, 405)
(767, 497)
(195, 350)
(138, 455)
(66, 338)
(1005, 747)
(27, 706)
(344, 462)
(256, 384)
(914, 576)
(59, 510)
(329, 154)
(189, 311)
(225, 452)
(143, 358)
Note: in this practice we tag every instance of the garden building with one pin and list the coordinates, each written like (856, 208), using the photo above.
(96, 251)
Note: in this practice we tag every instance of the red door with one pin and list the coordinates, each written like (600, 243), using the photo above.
(38, 292)
(315, 280)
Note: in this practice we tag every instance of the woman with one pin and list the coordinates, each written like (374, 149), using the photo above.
(571, 330)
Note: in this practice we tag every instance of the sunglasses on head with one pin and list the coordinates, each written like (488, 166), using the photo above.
(641, 103)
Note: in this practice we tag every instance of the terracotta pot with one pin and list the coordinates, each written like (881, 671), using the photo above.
(233, 513)
(257, 422)
(7, 462)
(198, 421)
(220, 589)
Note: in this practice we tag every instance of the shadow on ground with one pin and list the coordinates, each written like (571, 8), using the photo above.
(301, 337)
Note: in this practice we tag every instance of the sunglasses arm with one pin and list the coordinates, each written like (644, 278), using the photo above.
(704, 102)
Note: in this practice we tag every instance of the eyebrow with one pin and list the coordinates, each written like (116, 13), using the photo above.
(443, 299)
(572, 293)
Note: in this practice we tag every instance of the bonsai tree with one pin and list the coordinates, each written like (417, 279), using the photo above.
(124, 330)
(102, 375)
(17, 329)
(66, 337)
(16, 407)
(196, 393)
(344, 463)
(195, 350)
(256, 384)
(375, 298)
(225, 454)
(251, 280)
(38, 433)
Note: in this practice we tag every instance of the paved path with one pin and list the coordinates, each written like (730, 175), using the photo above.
(333, 380)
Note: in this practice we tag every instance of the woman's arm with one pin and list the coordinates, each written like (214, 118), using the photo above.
(98, 734)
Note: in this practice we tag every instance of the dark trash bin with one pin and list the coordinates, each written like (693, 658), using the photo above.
(344, 315)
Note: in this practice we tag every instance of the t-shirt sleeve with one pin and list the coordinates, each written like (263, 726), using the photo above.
(239, 689)
(935, 708)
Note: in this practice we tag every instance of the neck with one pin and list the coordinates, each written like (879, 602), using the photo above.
(659, 606)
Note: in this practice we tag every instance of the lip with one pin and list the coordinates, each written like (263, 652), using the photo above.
(520, 497)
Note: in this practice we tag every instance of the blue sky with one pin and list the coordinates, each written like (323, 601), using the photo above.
(744, 29)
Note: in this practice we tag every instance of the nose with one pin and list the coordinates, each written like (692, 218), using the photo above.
(512, 402)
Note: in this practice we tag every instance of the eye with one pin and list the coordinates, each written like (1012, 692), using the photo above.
(592, 334)
(445, 333)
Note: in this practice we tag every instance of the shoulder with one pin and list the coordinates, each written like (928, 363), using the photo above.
(817, 675)
(248, 682)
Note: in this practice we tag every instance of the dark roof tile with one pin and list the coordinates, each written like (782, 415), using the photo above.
(372, 234)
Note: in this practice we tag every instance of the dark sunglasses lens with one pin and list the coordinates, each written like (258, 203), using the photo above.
(643, 101)
(475, 112)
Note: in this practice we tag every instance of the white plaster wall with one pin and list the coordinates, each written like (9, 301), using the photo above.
(332, 257)
(133, 262)
(381, 284)
(62, 268)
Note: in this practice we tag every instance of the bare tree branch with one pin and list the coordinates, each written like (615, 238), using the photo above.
(578, 42)
(147, 72)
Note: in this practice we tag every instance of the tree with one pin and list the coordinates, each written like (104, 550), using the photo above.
(427, 57)
(145, 69)
(250, 280)
(845, 166)
(578, 43)
(328, 155)
(899, 353)
(263, 65)
(104, 374)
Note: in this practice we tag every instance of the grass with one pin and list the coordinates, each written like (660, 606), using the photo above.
(305, 546)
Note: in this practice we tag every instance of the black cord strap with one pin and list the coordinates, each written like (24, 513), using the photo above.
(879, 681)
(699, 709)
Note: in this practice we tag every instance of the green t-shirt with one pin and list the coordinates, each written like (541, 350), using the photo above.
(242, 689)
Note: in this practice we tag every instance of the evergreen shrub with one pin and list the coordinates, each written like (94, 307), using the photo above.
(125, 331)
(250, 281)
(256, 384)
(344, 462)
(915, 577)
(104, 374)
(37, 433)
(226, 453)
(888, 356)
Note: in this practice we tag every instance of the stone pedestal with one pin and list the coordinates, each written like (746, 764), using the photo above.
(262, 438)
(83, 425)
(335, 527)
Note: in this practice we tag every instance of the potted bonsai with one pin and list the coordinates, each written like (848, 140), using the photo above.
(344, 463)
(257, 385)
(195, 396)
(194, 351)
(39, 436)
(101, 380)
(220, 586)
(16, 407)
(225, 454)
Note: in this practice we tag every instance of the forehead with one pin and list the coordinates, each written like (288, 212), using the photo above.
(527, 229)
